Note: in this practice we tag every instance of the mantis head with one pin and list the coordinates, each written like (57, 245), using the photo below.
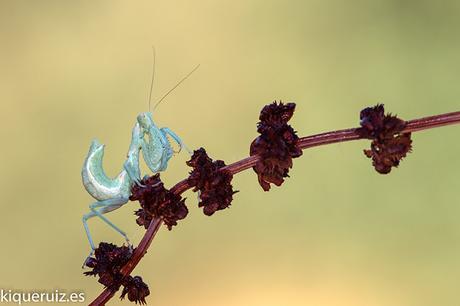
(155, 146)
(145, 120)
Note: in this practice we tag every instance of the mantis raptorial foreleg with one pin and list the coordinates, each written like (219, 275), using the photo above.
(176, 138)
(131, 171)
(131, 165)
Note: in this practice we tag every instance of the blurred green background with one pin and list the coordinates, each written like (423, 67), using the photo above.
(335, 234)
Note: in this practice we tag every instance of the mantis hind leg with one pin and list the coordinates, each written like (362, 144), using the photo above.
(167, 131)
(98, 209)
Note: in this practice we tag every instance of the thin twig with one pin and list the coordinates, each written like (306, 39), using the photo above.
(248, 162)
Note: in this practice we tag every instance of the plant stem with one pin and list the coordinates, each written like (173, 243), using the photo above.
(249, 162)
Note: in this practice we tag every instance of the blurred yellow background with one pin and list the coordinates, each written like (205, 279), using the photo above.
(335, 234)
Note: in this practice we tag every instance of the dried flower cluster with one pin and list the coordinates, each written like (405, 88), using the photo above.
(136, 289)
(388, 145)
(214, 185)
(107, 263)
(157, 202)
(276, 146)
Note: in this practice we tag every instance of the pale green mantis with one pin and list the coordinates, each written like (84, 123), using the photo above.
(112, 193)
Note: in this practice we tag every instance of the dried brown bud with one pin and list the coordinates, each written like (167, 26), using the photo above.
(389, 146)
(157, 202)
(214, 184)
(277, 145)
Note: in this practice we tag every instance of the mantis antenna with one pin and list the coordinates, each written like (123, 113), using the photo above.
(153, 78)
(175, 86)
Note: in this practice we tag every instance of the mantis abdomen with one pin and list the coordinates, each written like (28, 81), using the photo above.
(96, 182)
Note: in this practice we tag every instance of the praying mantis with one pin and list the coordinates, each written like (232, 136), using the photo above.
(112, 193)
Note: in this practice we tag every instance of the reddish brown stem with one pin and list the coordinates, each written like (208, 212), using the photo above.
(248, 162)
